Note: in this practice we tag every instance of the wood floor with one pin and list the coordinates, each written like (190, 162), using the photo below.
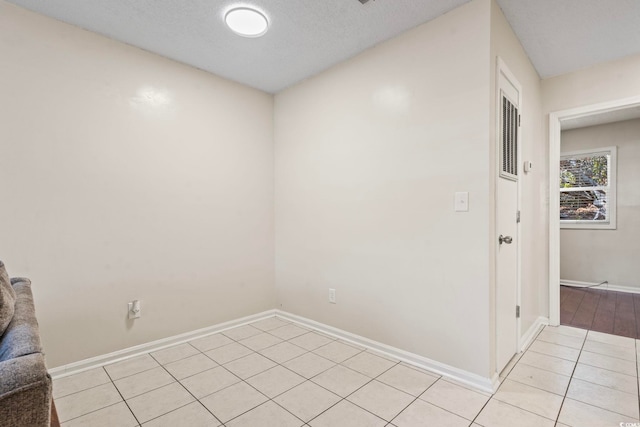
(615, 313)
(55, 422)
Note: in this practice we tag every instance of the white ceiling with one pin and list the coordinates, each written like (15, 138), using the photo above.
(308, 36)
(561, 36)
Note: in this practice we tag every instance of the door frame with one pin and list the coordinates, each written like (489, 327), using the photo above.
(502, 68)
(555, 128)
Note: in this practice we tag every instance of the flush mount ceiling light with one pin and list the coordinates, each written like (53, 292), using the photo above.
(247, 22)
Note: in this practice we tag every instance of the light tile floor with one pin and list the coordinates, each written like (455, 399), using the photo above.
(274, 373)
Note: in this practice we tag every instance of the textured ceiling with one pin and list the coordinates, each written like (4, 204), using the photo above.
(305, 37)
(308, 36)
(561, 36)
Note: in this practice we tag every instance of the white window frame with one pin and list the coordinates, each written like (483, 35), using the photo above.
(610, 223)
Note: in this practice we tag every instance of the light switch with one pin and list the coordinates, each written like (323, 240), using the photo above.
(462, 201)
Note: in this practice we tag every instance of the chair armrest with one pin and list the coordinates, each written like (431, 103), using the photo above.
(25, 391)
(22, 372)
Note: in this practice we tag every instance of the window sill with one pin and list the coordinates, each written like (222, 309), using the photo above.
(580, 225)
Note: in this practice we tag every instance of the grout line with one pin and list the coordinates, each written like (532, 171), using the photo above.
(433, 404)
(128, 376)
(370, 379)
(248, 410)
(579, 379)
(396, 388)
(570, 380)
(523, 409)
(80, 391)
(395, 416)
(553, 372)
(322, 412)
(96, 410)
(197, 373)
(599, 367)
(552, 330)
(578, 307)
(272, 399)
(111, 381)
(344, 398)
(288, 360)
(173, 410)
(305, 380)
(563, 345)
(474, 420)
(519, 408)
(609, 356)
(557, 357)
(140, 394)
(467, 388)
(599, 407)
(122, 397)
(223, 388)
(187, 390)
(601, 300)
(539, 388)
(593, 317)
(609, 344)
(397, 363)
(285, 409)
(510, 366)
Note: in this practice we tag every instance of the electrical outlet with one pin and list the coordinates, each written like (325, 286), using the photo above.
(332, 296)
(134, 309)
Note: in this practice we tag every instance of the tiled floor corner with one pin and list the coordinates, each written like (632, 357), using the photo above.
(274, 373)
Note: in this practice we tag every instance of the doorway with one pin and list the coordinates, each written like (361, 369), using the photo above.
(608, 112)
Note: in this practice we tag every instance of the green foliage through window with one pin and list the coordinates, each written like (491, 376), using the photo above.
(584, 187)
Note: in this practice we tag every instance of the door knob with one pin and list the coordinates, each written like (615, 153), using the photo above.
(505, 239)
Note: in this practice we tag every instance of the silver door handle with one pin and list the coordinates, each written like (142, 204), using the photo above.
(505, 239)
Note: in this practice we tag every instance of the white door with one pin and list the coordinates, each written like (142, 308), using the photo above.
(507, 217)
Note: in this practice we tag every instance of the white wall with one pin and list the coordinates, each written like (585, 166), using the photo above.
(599, 255)
(126, 175)
(533, 202)
(601, 83)
(368, 157)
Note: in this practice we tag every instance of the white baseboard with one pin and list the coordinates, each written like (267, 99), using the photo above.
(127, 353)
(470, 379)
(606, 286)
(532, 332)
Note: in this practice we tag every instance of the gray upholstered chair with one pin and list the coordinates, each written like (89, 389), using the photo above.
(25, 385)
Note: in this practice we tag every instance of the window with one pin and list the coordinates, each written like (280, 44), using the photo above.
(588, 189)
